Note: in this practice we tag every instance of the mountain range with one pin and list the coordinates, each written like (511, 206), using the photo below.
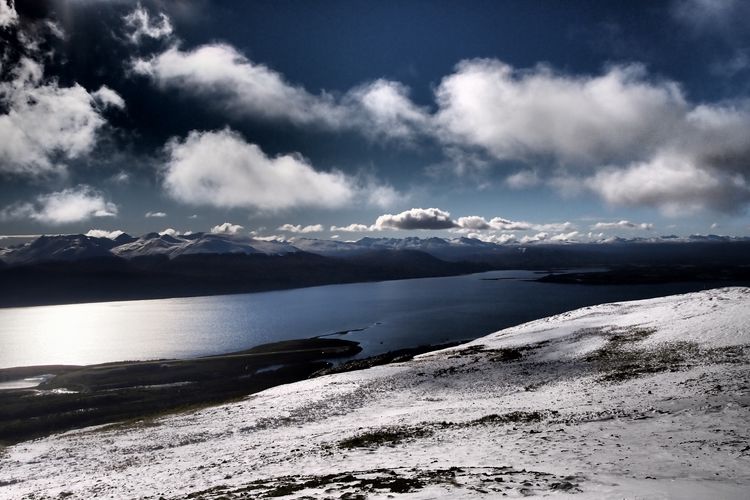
(74, 247)
(80, 268)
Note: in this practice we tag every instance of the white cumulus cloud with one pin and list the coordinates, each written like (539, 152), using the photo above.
(473, 222)
(228, 78)
(522, 114)
(416, 218)
(509, 225)
(221, 74)
(387, 110)
(63, 207)
(45, 124)
(622, 224)
(227, 228)
(221, 169)
(355, 228)
(674, 184)
(297, 228)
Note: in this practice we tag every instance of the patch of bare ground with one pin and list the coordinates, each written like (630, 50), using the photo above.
(496, 481)
(622, 358)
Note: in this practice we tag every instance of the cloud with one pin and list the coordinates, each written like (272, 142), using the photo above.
(738, 62)
(416, 218)
(140, 24)
(473, 222)
(565, 237)
(355, 228)
(103, 233)
(8, 14)
(609, 132)
(169, 232)
(476, 223)
(222, 75)
(544, 236)
(155, 214)
(436, 219)
(313, 228)
(46, 124)
(622, 224)
(105, 97)
(460, 162)
(387, 109)
(521, 114)
(227, 228)
(221, 169)
(509, 225)
(674, 184)
(703, 15)
(554, 226)
(272, 237)
(497, 238)
(523, 179)
(541, 236)
(579, 131)
(63, 207)
(380, 195)
(120, 177)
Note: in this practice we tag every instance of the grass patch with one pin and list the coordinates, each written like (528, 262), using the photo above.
(508, 354)
(621, 359)
(514, 417)
(384, 437)
(359, 485)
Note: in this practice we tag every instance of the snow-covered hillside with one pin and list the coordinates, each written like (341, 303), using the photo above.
(644, 399)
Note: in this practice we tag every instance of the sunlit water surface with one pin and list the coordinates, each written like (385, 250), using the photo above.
(393, 314)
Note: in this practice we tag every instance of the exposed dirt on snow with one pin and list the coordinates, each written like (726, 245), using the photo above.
(647, 399)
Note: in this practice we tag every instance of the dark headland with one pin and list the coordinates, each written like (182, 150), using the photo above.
(80, 396)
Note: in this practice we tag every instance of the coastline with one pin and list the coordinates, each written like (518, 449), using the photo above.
(72, 397)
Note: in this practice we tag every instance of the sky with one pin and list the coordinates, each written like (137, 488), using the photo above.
(504, 121)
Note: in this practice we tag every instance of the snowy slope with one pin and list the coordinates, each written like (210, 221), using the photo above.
(645, 399)
(61, 247)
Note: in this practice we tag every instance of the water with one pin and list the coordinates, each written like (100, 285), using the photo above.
(393, 314)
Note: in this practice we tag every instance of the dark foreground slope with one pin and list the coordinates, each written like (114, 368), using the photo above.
(79, 396)
(112, 278)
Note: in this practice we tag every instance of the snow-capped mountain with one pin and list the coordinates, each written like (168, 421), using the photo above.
(62, 247)
(644, 399)
(73, 247)
(442, 248)
(79, 246)
(199, 243)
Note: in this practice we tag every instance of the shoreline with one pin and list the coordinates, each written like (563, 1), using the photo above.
(76, 396)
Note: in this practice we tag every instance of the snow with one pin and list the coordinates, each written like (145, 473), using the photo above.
(645, 399)
(198, 244)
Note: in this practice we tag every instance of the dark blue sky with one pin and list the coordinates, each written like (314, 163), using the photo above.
(541, 112)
